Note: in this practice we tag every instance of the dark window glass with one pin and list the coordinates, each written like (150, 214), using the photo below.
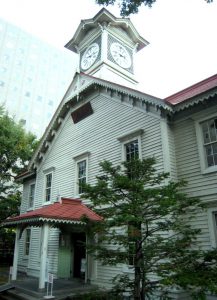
(82, 177)
(48, 187)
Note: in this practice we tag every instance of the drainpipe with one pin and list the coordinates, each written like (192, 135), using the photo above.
(86, 273)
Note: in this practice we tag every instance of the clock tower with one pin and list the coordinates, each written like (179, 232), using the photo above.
(106, 46)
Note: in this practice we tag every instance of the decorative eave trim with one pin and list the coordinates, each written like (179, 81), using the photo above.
(25, 175)
(123, 90)
(77, 96)
(37, 221)
(104, 16)
(195, 100)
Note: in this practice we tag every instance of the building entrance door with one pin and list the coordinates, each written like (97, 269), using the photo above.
(65, 256)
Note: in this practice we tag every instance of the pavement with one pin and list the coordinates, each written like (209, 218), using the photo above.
(29, 285)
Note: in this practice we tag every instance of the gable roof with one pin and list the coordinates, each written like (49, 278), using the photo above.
(88, 84)
(103, 17)
(190, 96)
(194, 94)
(68, 211)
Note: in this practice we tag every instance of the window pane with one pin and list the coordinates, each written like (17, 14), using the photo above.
(27, 241)
(208, 150)
(31, 195)
(49, 179)
(215, 159)
(212, 130)
(214, 148)
(205, 133)
(210, 161)
(132, 150)
(82, 169)
(48, 187)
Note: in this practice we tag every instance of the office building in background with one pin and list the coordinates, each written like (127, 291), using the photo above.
(33, 77)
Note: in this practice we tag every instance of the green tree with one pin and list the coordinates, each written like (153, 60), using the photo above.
(146, 225)
(128, 7)
(16, 148)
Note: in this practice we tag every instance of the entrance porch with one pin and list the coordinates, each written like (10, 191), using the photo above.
(73, 261)
(62, 288)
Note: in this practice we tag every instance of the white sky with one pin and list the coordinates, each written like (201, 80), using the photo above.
(182, 36)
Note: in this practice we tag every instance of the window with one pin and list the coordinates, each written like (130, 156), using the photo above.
(131, 145)
(31, 195)
(212, 223)
(27, 241)
(81, 171)
(48, 184)
(132, 150)
(82, 175)
(209, 129)
(206, 131)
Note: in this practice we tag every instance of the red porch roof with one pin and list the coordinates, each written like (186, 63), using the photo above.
(65, 211)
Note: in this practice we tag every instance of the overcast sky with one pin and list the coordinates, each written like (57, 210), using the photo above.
(182, 36)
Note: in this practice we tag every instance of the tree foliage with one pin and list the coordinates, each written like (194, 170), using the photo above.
(146, 223)
(16, 148)
(128, 7)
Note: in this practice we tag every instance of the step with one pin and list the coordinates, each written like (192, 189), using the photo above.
(5, 287)
(17, 295)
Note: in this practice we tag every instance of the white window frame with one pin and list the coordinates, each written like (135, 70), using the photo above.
(212, 223)
(28, 230)
(202, 154)
(48, 188)
(31, 197)
(78, 159)
(46, 173)
(130, 137)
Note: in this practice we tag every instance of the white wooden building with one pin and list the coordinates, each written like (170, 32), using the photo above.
(103, 116)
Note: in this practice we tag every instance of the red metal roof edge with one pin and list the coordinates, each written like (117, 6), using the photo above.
(193, 90)
(42, 212)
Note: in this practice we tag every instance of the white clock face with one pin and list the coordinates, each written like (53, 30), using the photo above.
(89, 56)
(120, 55)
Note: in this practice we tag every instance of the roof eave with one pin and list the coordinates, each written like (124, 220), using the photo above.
(38, 221)
(67, 104)
(195, 100)
(101, 17)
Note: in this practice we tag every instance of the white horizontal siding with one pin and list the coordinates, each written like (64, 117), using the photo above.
(97, 134)
(188, 168)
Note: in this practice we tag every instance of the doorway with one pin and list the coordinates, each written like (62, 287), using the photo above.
(79, 257)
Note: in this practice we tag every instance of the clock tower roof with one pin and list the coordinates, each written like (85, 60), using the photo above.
(104, 17)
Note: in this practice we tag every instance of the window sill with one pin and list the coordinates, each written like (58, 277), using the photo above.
(30, 209)
(209, 170)
(47, 203)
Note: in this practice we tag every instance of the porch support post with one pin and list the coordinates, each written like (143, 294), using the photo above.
(86, 267)
(16, 254)
(43, 262)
